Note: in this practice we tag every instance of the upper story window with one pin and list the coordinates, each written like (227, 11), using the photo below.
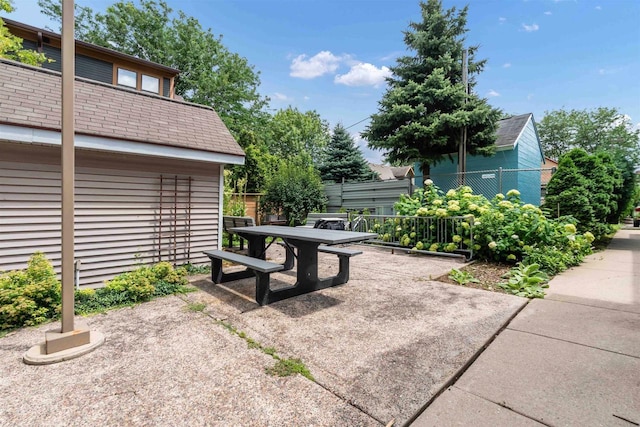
(127, 78)
(150, 84)
(138, 80)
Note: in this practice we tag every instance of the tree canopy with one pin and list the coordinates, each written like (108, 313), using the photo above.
(291, 132)
(11, 46)
(602, 129)
(209, 73)
(344, 160)
(426, 105)
(589, 187)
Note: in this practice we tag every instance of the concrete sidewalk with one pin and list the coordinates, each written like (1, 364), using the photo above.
(570, 359)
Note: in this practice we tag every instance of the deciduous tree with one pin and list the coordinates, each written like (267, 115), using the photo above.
(291, 132)
(11, 46)
(602, 129)
(210, 73)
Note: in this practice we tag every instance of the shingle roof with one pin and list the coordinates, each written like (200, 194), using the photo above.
(390, 172)
(509, 130)
(401, 172)
(31, 97)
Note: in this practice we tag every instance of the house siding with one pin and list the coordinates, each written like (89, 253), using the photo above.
(487, 184)
(87, 67)
(96, 69)
(529, 157)
(525, 155)
(117, 214)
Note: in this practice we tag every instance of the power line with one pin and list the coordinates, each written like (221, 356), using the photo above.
(357, 123)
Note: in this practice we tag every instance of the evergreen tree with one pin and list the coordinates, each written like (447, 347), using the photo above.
(426, 105)
(589, 187)
(343, 159)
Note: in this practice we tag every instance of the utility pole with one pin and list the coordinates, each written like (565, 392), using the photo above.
(462, 149)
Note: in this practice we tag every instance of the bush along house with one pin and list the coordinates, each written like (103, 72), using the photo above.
(515, 164)
(149, 167)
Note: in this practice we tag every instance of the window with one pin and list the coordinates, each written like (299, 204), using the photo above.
(127, 78)
(150, 84)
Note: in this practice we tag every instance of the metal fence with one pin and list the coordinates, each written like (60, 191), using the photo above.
(451, 236)
(531, 183)
(374, 196)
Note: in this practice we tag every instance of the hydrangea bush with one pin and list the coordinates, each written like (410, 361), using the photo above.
(504, 228)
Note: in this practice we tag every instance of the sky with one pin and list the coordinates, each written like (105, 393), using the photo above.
(333, 56)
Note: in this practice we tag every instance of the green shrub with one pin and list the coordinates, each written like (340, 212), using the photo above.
(504, 228)
(589, 187)
(132, 287)
(294, 190)
(462, 277)
(526, 281)
(31, 296)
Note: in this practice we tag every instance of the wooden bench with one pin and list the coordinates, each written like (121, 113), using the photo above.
(260, 268)
(236, 221)
(312, 217)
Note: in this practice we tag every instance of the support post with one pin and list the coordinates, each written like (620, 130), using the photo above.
(71, 340)
(68, 165)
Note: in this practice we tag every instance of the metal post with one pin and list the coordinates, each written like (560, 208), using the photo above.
(70, 340)
(500, 180)
(68, 165)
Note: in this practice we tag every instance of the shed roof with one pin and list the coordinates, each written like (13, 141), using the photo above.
(31, 97)
(509, 130)
(392, 172)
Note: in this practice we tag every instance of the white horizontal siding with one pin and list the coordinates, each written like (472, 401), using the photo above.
(117, 218)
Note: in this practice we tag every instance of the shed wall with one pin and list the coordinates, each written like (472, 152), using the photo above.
(529, 157)
(118, 214)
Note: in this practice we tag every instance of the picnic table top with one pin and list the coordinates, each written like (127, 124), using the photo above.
(329, 237)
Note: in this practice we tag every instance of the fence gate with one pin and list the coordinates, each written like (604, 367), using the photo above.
(174, 220)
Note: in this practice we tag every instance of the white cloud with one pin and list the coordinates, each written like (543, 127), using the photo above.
(530, 28)
(306, 98)
(506, 65)
(609, 71)
(548, 12)
(322, 63)
(598, 7)
(281, 97)
(493, 93)
(502, 20)
(364, 74)
(530, 97)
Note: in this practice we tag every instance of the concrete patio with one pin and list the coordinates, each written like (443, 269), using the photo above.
(379, 348)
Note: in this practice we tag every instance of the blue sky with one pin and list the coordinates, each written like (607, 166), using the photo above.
(332, 56)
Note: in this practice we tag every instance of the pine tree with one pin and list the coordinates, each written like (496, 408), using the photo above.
(343, 159)
(423, 111)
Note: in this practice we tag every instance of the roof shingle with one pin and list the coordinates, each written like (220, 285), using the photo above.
(31, 97)
(509, 130)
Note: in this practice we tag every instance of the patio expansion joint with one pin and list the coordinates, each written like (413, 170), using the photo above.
(573, 342)
(454, 378)
(350, 403)
(230, 319)
(551, 298)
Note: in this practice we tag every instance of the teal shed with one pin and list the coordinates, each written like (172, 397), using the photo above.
(515, 164)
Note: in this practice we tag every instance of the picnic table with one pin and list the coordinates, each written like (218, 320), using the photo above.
(302, 247)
